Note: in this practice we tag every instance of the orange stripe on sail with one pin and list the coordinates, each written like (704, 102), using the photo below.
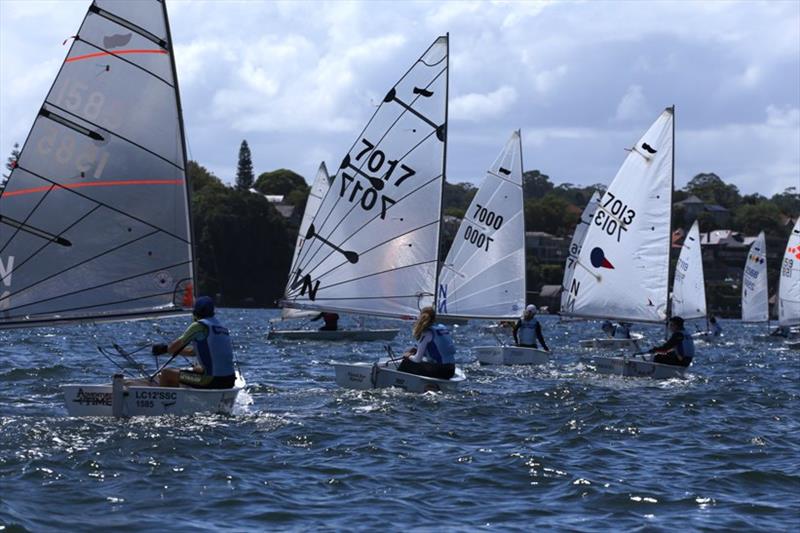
(115, 53)
(46, 188)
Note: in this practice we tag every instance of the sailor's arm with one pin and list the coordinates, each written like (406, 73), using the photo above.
(541, 337)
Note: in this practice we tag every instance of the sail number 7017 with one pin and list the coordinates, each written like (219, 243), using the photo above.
(613, 216)
(377, 162)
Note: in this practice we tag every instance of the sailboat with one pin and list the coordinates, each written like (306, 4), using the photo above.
(569, 286)
(689, 286)
(789, 284)
(624, 260)
(483, 276)
(755, 289)
(373, 245)
(318, 191)
(95, 221)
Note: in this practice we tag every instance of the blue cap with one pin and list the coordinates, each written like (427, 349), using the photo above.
(203, 307)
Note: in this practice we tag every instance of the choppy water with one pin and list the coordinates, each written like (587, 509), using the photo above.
(552, 446)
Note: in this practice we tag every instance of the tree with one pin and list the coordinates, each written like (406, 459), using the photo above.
(11, 164)
(551, 214)
(246, 267)
(458, 195)
(765, 216)
(535, 184)
(200, 178)
(244, 171)
(281, 181)
(712, 189)
(788, 201)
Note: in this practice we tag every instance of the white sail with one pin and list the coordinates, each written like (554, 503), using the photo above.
(789, 289)
(318, 191)
(94, 220)
(689, 287)
(623, 267)
(755, 297)
(484, 273)
(372, 247)
(568, 285)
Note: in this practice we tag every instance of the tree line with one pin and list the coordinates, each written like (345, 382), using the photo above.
(243, 245)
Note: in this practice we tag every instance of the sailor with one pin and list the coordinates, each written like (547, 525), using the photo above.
(679, 349)
(623, 330)
(331, 321)
(608, 328)
(210, 341)
(714, 327)
(527, 330)
(434, 354)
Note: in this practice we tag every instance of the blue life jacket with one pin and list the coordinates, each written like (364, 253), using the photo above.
(441, 350)
(686, 347)
(215, 351)
(527, 331)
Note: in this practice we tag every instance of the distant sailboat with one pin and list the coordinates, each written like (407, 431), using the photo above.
(568, 287)
(483, 276)
(755, 293)
(789, 280)
(372, 247)
(318, 191)
(624, 259)
(95, 221)
(689, 286)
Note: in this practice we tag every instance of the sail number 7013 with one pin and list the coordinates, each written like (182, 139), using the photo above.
(613, 216)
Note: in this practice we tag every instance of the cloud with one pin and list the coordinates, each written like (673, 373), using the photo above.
(476, 107)
(299, 79)
(633, 105)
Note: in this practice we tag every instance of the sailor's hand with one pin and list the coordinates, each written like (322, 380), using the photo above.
(160, 349)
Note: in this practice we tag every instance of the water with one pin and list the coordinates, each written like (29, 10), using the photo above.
(517, 448)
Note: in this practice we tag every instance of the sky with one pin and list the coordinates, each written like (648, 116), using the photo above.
(583, 80)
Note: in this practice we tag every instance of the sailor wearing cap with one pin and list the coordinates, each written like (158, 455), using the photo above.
(527, 330)
(210, 341)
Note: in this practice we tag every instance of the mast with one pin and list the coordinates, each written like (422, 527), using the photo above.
(524, 244)
(439, 260)
(190, 222)
(669, 233)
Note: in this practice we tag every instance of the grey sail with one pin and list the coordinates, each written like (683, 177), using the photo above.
(94, 221)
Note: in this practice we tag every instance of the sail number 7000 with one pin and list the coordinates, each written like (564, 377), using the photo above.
(613, 217)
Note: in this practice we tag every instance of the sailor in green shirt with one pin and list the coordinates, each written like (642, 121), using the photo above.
(207, 339)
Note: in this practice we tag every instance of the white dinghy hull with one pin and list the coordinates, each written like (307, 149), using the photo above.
(382, 375)
(121, 399)
(340, 335)
(613, 343)
(511, 355)
(636, 368)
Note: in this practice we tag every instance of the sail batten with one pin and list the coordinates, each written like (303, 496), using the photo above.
(372, 244)
(484, 273)
(94, 219)
(624, 259)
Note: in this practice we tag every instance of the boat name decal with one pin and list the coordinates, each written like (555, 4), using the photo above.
(93, 398)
